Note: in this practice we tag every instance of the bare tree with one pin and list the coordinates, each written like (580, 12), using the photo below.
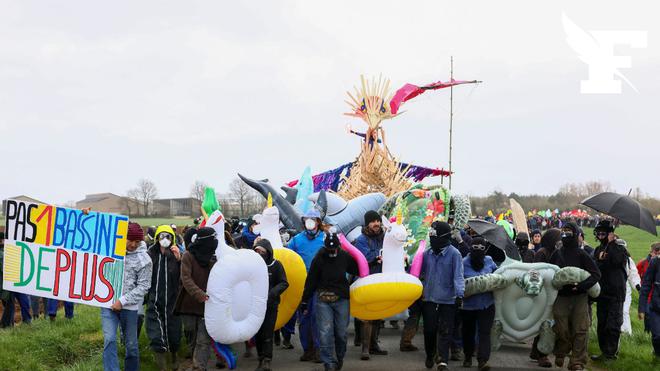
(197, 190)
(240, 192)
(144, 193)
(131, 202)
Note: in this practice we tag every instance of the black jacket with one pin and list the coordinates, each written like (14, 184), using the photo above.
(329, 274)
(576, 257)
(613, 270)
(277, 281)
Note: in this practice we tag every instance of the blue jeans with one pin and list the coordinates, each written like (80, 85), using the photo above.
(332, 321)
(110, 320)
(309, 333)
(24, 302)
(52, 308)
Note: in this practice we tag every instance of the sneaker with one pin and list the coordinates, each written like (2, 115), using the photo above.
(377, 351)
(429, 362)
(286, 344)
(307, 356)
(442, 366)
(365, 356)
(484, 366)
(559, 361)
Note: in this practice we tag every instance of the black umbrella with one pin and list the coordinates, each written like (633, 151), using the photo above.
(497, 236)
(624, 208)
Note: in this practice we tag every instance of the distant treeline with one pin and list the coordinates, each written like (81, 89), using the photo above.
(567, 198)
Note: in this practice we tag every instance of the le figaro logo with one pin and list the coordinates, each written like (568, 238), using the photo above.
(596, 49)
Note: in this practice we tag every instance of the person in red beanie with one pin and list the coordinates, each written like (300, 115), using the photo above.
(124, 312)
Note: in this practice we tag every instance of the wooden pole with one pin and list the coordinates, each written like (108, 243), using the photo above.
(451, 115)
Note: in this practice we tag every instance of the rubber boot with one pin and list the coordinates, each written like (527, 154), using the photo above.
(374, 347)
(406, 339)
(367, 329)
(161, 361)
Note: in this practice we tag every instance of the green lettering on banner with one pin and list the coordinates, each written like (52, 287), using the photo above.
(25, 248)
(42, 268)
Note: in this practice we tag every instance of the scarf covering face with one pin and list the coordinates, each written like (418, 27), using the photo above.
(203, 245)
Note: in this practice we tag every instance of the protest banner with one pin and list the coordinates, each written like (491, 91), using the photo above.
(65, 254)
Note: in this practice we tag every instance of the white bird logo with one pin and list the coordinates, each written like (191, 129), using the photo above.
(595, 48)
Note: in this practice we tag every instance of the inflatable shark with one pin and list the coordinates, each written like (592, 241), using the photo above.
(346, 216)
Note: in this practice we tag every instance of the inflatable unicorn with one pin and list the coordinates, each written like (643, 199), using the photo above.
(385, 294)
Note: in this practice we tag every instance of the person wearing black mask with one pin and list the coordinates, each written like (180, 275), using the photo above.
(478, 310)
(571, 308)
(196, 264)
(549, 242)
(611, 258)
(526, 254)
(277, 283)
(327, 280)
(442, 295)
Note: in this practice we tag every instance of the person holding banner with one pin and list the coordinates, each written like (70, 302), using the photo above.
(163, 327)
(124, 312)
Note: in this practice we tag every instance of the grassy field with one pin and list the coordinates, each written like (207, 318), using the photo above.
(78, 344)
(146, 222)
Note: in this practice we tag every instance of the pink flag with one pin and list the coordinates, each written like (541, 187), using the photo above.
(410, 91)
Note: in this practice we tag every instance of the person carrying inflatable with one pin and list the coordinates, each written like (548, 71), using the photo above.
(306, 244)
(328, 283)
(277, 283)
(196, 265)
(370, 244)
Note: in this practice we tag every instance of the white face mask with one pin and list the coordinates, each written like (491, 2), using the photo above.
(310, 224)
(165, 242)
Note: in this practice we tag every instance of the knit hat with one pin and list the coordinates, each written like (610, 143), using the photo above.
(135, 232)
(371, 216)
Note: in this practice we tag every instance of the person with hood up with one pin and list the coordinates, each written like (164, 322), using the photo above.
(611, 257)
(307, 244)
(370, 244)
(162, 325)
(327, 281)
(571, 308)
(123, 312)
(526, 254)
(196, 264)
(549, 242)
(442, 295)
(277, 283)
(478, 310)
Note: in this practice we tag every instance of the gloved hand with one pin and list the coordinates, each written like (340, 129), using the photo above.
(456, 236)
(638, 287)
(459, 302)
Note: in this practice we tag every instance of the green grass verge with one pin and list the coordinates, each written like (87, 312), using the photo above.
(71, 345)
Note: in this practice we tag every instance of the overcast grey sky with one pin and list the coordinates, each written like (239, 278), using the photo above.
(95, 95)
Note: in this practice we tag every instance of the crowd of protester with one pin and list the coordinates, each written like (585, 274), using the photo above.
(166, 274)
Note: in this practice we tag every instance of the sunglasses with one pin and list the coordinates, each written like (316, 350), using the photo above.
(164, 236)
(567, 233)
(479, 247)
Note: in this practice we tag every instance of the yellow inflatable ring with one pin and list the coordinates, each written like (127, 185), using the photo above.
(296, 274)
(383, 295)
